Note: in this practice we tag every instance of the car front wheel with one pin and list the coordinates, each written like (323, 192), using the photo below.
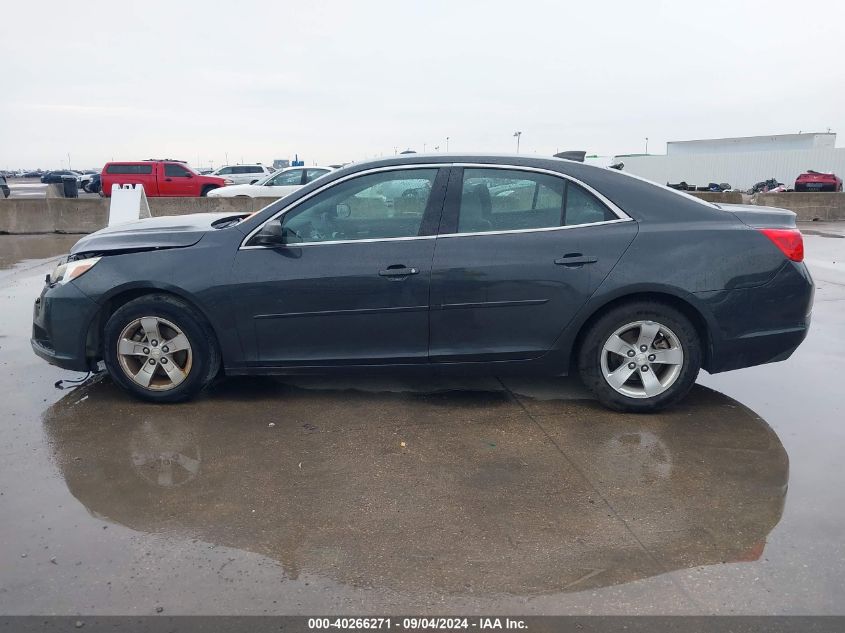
(159, 349)
(640, 357)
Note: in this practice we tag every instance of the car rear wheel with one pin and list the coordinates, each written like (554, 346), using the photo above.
(160, 349)
(640, 357)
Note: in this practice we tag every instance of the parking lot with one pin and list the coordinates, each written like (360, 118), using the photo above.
(33, 188)
(370, 495)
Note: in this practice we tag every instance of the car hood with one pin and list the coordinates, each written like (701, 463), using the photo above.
(233, 189)
(172, 231)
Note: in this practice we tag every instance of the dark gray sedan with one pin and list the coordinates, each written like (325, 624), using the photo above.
(438, 263)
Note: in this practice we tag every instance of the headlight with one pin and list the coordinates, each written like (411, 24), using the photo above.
(71, 270)
(228, 181)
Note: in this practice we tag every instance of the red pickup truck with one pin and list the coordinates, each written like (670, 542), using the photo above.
(161, 178)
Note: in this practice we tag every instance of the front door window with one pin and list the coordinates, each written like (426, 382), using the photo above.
(383, 205)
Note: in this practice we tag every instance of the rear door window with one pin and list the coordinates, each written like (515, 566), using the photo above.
(582, 207)
(514, 200)
(509, 200)
(311, 174)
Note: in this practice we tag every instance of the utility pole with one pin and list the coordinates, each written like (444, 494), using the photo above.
(518, 135)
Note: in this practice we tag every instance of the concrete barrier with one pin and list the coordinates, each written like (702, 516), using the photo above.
(808, 206)
(728, 197)
(86, 215)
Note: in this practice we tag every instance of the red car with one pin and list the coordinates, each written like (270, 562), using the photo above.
(161, 178)
(816, 181)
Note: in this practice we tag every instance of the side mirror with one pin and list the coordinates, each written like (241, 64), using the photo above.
(189, 175)
(252, 182)
(270, 235)
(343, 211)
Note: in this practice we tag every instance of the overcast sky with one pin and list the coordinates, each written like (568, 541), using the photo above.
(339, 81)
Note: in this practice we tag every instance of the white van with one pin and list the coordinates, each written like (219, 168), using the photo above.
(242, 174)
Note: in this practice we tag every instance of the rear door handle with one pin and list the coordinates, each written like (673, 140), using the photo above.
(575, 260)
(168, 179)
(398, 270)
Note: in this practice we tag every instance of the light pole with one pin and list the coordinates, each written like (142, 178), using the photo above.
(646, 145)
(447, 143)
(517, 135)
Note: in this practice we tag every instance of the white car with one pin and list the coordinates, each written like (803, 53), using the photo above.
(276, 185)
(85, 179)
(242, 174)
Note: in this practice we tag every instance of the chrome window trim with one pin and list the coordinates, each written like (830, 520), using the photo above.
(539, 230)
(363, 241)
(621, 216)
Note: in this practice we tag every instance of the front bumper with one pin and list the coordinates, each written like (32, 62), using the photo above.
(60, 320)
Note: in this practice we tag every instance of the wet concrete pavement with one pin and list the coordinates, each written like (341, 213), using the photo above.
(410, 496)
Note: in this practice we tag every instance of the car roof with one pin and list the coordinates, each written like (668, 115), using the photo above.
(304, 167)
(639, 198)
(281, 169)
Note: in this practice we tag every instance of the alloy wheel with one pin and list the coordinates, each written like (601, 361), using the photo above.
(642, 359)
(154, 353)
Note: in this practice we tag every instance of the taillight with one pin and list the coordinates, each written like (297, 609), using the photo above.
(789, 241)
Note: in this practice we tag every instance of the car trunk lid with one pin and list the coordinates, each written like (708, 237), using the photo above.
(761, 217)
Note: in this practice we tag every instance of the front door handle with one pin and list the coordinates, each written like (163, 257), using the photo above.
(398, 270)
(576, 260)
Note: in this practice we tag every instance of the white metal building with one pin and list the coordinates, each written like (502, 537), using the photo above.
(740, 161)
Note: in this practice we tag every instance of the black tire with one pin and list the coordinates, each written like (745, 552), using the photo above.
(205, 361)
(206, 189)
(591, 350)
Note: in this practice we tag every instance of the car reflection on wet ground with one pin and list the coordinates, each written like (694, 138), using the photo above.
(458, 491)
(372, 495)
